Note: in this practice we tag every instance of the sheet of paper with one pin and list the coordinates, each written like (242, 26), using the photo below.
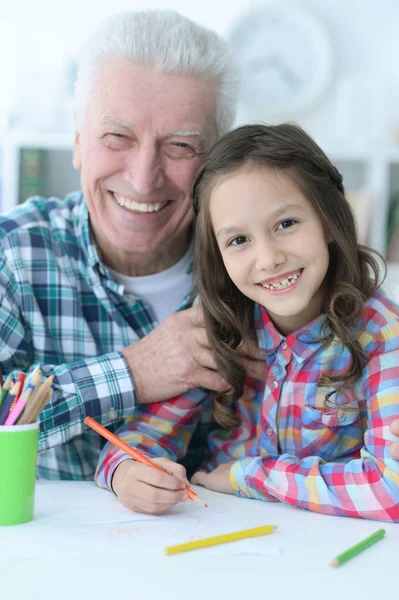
(95, 524)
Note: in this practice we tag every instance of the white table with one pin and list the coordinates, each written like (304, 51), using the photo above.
(44, 560)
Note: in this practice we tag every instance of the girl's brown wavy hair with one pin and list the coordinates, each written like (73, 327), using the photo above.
(353, 275)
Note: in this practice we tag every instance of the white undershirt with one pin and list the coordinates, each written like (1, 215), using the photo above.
(164, 291)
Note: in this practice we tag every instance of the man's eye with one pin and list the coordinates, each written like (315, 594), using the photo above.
(286, 223)
(238, 240)
(116, 136)
(115, 140)
(179, 150)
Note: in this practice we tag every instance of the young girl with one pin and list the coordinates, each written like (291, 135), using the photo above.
(277, 259)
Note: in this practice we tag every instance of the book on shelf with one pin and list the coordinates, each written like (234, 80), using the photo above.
(32, 173)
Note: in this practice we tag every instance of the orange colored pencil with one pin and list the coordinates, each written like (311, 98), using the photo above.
(111, 437)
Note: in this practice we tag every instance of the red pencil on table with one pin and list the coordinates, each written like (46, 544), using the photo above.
(111, 437)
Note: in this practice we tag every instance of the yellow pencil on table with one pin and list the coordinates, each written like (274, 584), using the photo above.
(220, 539)
(357, 548)
(111, 437)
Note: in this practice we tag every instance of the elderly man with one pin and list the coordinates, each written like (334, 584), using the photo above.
(97, 288)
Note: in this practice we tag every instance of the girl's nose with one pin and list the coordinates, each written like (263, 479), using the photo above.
(269, 256)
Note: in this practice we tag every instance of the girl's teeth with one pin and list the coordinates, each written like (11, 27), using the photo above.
(283, 284)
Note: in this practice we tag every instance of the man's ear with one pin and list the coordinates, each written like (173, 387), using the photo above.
(76, 155)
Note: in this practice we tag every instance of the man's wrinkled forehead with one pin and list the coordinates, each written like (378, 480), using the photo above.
(124, 94)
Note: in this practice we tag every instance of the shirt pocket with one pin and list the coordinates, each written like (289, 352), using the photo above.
(330, 432)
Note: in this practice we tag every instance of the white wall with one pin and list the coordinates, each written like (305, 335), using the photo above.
(44, 34)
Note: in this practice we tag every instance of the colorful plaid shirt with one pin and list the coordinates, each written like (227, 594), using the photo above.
(60, 308)
(290, 446)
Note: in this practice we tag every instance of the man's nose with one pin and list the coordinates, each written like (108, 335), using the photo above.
(145, 169)
(269, 255)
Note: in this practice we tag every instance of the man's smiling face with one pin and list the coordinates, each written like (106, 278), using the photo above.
(142, 140)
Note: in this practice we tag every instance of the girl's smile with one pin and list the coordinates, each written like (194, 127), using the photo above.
(282, 284)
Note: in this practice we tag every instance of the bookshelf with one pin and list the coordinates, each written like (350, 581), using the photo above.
(57, 176)
(374, 169)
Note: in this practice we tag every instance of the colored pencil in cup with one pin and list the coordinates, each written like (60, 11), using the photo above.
(33, 380)
(220, 539)
(16, 412)
(12, 394)
(38, 400)
(134, 453)
(5, 389)
(21, 379)
(357, 548)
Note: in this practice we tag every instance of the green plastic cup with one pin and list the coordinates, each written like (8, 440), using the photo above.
(18, 456)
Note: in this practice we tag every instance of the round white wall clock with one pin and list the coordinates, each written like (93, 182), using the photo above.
(286, 59)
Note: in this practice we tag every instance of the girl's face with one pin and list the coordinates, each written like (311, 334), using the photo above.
(273, 244)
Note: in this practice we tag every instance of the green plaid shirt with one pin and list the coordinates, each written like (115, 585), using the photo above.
(61, 309)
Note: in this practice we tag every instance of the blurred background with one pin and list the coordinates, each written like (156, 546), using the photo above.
(330, 65)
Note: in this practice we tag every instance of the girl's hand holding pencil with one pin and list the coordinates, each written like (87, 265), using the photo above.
(22, 401)
(145, 485)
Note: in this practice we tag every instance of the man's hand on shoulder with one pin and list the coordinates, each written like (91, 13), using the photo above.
(173, 359)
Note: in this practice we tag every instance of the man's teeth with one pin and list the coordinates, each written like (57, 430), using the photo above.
(143, 207)
(282, 284)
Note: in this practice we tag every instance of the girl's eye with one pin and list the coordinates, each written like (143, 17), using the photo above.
(286, 223)
(238, 241)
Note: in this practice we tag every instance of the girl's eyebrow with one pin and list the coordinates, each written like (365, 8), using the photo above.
(227, 230)
(277, 213)
(287, 207)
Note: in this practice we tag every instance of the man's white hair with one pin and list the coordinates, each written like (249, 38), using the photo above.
(165, 41)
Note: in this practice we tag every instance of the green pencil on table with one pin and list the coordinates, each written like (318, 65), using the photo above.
(357, 548)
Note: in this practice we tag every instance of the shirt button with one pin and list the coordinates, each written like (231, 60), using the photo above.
(275, 384)
(269, 432)
(284, 346)
(112, 415)
(243, 494)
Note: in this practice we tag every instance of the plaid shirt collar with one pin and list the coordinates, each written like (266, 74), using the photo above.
(98, 271)
(84, 233)
(303, 343)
